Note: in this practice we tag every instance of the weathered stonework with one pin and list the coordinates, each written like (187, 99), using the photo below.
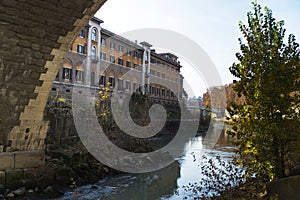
(7, 161)
(2, 177)
(34, 38)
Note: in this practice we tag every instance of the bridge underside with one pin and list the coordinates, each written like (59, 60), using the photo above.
(34, 38)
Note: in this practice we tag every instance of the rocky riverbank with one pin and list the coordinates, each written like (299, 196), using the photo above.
(67, 166)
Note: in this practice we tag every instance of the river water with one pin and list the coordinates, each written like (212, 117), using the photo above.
(165, 184)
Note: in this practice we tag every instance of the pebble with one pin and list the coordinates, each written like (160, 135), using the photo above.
(49, 189)
(19, 192)
(30, 191)
(10, 195)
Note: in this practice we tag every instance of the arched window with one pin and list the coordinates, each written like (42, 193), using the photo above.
(92, 78)
(94, 51)
(94, 34)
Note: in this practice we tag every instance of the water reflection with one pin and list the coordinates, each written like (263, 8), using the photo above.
(161, 184)
(152, 185)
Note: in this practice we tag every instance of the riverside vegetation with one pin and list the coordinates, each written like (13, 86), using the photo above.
(266, 126)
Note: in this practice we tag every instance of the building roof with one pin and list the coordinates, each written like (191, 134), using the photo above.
(97, 20)
(161, 56)
(120, 38)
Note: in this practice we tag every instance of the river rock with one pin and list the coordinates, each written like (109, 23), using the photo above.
(30, 191)
(63, 175)
(49, 189)
(94, 187)
(10, 195)
(20, 191)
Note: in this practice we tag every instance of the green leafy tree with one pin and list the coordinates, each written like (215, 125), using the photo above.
(267, 129)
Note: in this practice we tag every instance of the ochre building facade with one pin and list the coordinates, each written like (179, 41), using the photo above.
(100, 58)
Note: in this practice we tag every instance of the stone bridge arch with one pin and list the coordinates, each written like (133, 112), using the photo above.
(35, 36)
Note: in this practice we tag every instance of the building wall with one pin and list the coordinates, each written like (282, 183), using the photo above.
(98, 52)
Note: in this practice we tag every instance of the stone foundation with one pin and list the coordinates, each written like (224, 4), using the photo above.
(14, 165)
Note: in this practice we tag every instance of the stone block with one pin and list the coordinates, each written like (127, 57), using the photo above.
(14, 178)
(6, 161)
(2, 177)
(29, 159)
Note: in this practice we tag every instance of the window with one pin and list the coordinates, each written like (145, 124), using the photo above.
(79, 75)
(135, 54)
(94, 34)
(146, 56)
(152, 72)
(120, 61)
(128, 52)
(128, 64)
(102, 80)
(103, 56)
(81, 34)
(140, 68)
(120, 84)
(163, 92)
(163, 75)
(121, 48)
(80, 48)
(128, 86)
(158, 91)
(153, 60)
(158, 74)
(67, 73)
(153, 89)
(168, 93)
(158, 63)
(103, 41)
(94, 52)
(112, 81)
(140, 55)
(92, 78)
(112, 59)
(135, 66)
(112, 45)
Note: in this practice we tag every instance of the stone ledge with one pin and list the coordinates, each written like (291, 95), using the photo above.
(21, 159)
(29, 159)
(7, 161)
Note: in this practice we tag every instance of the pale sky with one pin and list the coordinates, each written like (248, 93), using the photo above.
(212, 24)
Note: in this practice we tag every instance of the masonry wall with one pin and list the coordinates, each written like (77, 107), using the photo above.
(16, 167)
(34, 38)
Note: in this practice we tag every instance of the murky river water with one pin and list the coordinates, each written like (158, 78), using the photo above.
(164, 184)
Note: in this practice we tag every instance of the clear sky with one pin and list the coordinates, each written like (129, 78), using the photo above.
(212, 24)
